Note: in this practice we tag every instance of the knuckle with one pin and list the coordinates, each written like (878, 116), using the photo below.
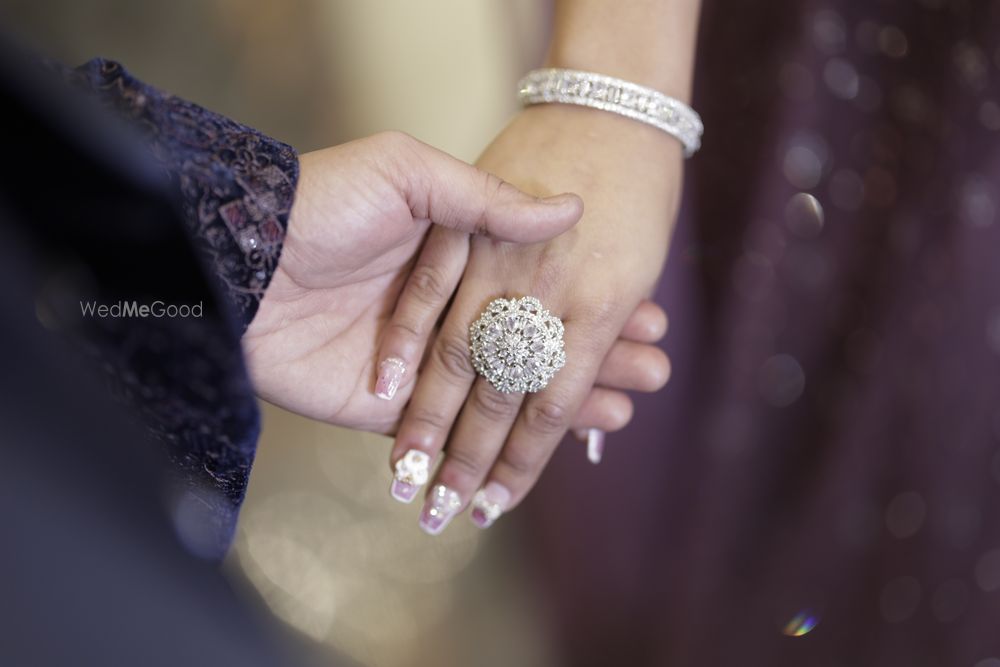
(399, 157)
(453, 356)
(492, 404)
(426, 417)
(465, 462)
(492, 188)
(428, 284)
(406, 329)
(517, 462)
(547, 417)
(600, 309)
(393, 138)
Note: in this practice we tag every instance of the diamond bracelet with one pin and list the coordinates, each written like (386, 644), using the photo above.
(607, 93)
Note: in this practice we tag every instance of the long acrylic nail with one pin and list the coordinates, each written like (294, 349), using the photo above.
(489, 503)
(595, 445)
(440, 509)
(390, 374)
(412, 472)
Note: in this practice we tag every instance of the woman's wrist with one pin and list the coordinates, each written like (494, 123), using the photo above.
(628, 173)
(620, 39)
(603, 140)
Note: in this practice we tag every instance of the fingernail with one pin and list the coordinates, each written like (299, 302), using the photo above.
(390, 373)
(411, 473)
(595, 445)
(440, 508)
(489, 503)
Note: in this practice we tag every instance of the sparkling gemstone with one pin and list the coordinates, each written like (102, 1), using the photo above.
(515, 345)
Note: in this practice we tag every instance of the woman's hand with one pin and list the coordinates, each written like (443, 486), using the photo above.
(592, 277)
(361, 213)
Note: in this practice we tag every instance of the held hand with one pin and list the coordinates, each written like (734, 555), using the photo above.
(592, 277)
(361, 214)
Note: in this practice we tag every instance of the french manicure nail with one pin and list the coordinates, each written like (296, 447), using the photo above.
(489, 503)
(412, 472)
(595, 445)
(440, 508)
(390, 374)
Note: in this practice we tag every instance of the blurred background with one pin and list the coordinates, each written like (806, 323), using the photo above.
(319, 537)
(819, 485)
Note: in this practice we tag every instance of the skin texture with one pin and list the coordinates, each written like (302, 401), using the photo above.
(361, 216)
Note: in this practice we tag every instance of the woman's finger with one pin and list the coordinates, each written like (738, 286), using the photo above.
(634, 366)
(647, 324)
(427, 291)
(486, 420)
(473, 446)
(604, 409)
(544, 419)
(444, 384)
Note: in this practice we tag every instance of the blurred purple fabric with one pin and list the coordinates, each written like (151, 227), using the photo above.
(825, 459)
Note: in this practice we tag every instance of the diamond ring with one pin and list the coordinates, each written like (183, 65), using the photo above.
(517, 345)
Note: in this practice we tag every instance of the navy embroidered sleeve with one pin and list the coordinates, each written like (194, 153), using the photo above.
(236, 184)
(206, 230)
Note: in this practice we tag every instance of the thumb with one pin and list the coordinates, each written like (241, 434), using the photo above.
(453, 194)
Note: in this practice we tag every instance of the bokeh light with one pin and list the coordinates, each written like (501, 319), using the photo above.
(801, 624)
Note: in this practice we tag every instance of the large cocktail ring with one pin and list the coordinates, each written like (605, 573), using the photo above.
(517, 345)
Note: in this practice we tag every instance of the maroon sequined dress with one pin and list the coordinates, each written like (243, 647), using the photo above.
(819, 485)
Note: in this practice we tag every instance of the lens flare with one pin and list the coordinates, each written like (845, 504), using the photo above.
(801, 624)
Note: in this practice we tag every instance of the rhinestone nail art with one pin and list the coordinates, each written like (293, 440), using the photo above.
(412, 472)
(489, 503)
(441, 506)
(390, 374)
